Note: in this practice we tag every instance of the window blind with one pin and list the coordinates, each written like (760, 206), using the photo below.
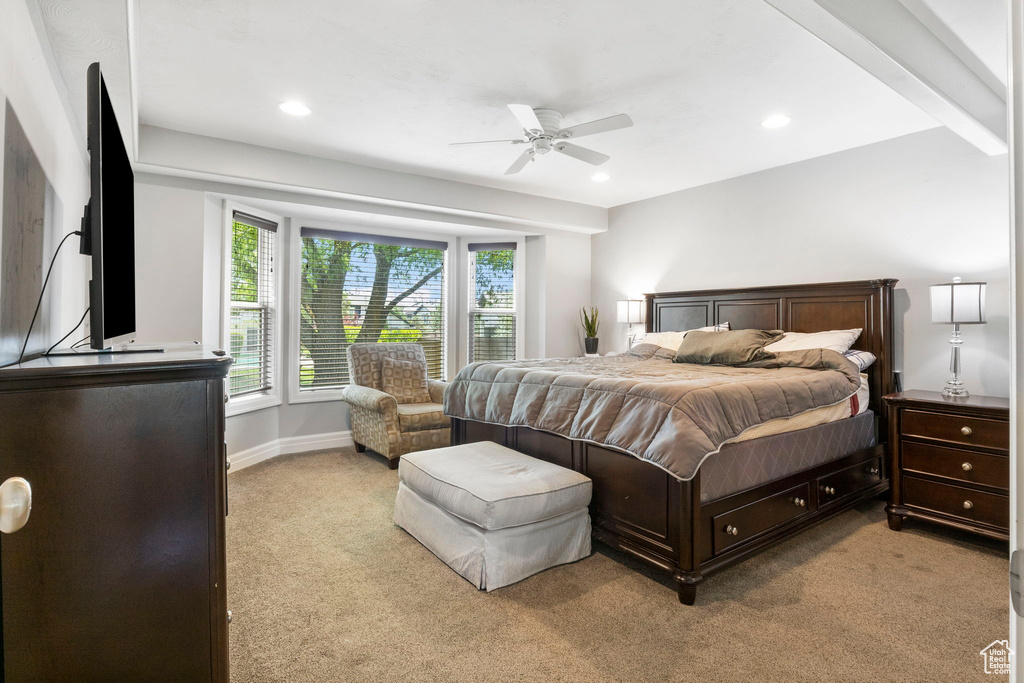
(355, 290)
(492, 324)
(252, 308)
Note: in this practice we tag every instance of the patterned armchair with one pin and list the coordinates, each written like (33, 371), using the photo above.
(394, 408)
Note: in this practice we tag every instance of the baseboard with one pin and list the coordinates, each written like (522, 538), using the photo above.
(292, 444)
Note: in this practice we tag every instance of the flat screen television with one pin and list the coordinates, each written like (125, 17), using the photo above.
(108, 228)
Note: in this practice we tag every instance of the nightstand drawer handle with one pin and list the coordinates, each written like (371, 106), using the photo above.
(800, 502)
(872, 470)
(968, 505)
(830, 491)
(966, 431)
(967, 467)
(731, 530)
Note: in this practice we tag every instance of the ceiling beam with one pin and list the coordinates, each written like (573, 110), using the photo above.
(904, 45)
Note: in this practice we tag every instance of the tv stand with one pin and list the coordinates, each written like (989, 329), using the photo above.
(102, 352)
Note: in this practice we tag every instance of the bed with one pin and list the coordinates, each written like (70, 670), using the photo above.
(694, 516)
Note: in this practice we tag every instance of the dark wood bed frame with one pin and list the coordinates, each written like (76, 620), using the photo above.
(641, 510)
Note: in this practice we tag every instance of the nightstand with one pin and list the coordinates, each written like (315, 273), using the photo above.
(949, 461)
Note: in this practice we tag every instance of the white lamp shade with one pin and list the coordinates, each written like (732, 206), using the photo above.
(630, 311)
(960, 303)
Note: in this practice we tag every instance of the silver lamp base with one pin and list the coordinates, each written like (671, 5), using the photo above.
(955, 386)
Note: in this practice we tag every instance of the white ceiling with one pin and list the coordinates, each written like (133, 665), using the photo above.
(392, 83)
(981, 25)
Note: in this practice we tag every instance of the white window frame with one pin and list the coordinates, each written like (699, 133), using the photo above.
(269, 399)
(295, 393)
(519, 296)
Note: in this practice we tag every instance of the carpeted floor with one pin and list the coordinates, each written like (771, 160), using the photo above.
(325, 588)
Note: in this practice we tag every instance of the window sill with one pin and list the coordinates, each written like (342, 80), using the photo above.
(314, 396)
(248, 404)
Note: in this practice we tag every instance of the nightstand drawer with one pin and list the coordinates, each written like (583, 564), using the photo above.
(957, 501)
(955, 463)
(969, 431)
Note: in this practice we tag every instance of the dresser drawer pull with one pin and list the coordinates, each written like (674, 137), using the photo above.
(800, 502)
(966, 431)
(830, 491)
(968, 505)
(967, 467)
(872, 470)
(731, 530)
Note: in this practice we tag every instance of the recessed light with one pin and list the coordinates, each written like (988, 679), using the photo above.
(294, 108)
(776, 121)
(600, 177)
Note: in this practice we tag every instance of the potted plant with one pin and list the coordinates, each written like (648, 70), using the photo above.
(590, 325)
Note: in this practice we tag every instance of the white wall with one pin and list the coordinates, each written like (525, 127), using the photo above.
(169, 249)
(558, 286)
(38, 98)
(921, 208)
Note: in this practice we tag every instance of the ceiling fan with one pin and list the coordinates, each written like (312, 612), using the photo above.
(542, 130)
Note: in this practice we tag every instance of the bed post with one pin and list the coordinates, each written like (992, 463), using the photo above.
(687, 574)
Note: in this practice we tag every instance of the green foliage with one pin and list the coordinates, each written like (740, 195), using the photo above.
(493, 277)
(590, 321)
(329, 319)
(245, 241)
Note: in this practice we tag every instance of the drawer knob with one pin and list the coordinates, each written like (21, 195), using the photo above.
(872, 470)
(830, 491)
(968, 505)
(731, 530)
(966, 431)
(967, 467)
(800, 502)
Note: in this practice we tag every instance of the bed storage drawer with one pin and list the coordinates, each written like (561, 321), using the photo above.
(957, 501)
(967, 431)
(956, 463)
(736, 526)
(851, 480)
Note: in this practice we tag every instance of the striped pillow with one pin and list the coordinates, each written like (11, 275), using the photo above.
(862, 359)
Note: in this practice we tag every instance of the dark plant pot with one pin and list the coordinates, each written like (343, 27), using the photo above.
(590, 343)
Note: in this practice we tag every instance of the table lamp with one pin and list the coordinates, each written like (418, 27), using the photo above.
(631, 312)
(957, 303)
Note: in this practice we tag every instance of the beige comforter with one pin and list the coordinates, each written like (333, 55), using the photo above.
(671, 414)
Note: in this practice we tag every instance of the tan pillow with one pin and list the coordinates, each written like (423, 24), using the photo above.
(406, 380)
(725, 348)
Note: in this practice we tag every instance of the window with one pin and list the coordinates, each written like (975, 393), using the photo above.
(492, 301)
(367, 288)
(252, 304)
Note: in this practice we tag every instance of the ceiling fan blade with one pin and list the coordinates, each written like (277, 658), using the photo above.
(488, 142)
(521, 162)
(582, 153)
(527, 117)
(593, 127)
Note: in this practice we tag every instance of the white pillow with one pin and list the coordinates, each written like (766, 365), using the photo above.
(672, 340)
(837, 340)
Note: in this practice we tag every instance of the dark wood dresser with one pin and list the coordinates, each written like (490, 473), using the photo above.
(950, 461)
(119, 572)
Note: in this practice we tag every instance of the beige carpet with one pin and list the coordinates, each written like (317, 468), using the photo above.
(325, 588)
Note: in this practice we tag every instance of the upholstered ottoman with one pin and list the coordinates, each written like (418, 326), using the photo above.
(494, 515)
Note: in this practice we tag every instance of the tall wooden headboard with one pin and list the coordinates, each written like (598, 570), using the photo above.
(794, 308)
